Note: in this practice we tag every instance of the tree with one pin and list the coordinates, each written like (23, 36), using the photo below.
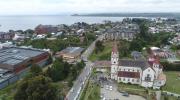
(35, 70)
(58, 71)
(99, 47)
(36, 88)
(123, 48)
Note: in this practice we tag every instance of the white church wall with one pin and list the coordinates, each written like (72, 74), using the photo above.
(129, 80)
(148, 72)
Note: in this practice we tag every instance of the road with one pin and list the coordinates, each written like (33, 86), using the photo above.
(74, 93)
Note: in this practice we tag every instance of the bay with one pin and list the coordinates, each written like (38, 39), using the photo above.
(30, 22)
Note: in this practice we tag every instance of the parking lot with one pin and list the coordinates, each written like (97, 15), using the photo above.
(109, 90)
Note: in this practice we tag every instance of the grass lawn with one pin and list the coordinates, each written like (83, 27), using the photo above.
(169, 98)
(91, 92)
(172, 83)
(133, 89)
(8, 92)
(105, 54)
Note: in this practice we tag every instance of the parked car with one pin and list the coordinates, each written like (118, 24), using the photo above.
(125, 94)
(110, 88)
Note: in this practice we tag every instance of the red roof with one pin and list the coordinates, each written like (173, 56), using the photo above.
(128, 74)
(102, 64)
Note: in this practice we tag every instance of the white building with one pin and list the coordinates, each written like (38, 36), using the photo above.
(145, 73)
(6, 44)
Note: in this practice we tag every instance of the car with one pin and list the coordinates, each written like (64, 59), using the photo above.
(125, 94)
(110, 88)
(102, 86)
(102, 96)
(72, 90)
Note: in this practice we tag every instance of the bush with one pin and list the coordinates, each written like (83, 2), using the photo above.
(170, 66)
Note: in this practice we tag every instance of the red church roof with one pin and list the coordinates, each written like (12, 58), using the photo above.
(129, 74)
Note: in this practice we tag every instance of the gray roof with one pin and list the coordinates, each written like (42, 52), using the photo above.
(14, 55)
(134, 63)
(2, 33)
(73, 50)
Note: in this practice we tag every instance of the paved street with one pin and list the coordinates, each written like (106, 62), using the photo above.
(74, 93)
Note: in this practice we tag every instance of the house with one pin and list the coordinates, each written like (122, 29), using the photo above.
(4, 36)
(45, 29)
(141, 72)
(70, 54)
(6, 44)
(102, 66)
(162, 53)
(18, 36)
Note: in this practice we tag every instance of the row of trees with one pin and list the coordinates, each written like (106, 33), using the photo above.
(61, 70)
(59, 43)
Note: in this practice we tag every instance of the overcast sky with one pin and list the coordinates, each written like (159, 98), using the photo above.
(39, 7)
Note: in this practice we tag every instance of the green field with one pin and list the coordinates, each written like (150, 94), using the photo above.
(91, 92)
(8, 92)
(105, 54)
(173, 82)
(133, 89)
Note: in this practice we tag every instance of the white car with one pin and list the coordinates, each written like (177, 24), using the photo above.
(110, 88)
(72, 90)
(104, 98)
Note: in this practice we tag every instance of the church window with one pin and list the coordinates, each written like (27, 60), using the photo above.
(137, 80)
(148, 78)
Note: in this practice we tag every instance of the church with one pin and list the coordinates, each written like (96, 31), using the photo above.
(146, 73)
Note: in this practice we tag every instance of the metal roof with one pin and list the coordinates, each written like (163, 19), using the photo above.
(73, 50)
(15, 55)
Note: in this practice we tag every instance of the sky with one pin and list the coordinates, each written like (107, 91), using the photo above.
(45, 7)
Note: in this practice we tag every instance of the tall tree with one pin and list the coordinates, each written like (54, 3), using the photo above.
(36, 88)
(35, 70)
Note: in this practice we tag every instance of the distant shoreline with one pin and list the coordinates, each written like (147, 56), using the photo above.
(167, 15)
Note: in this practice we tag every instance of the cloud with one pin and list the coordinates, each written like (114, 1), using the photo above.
(86, 6)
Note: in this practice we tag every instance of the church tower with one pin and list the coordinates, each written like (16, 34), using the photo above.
(114, 62)
(156, 66)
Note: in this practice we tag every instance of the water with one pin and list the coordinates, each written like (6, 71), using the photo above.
(30, 22)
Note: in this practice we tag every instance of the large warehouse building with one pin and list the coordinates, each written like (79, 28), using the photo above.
(16, 59)
(15, 62)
